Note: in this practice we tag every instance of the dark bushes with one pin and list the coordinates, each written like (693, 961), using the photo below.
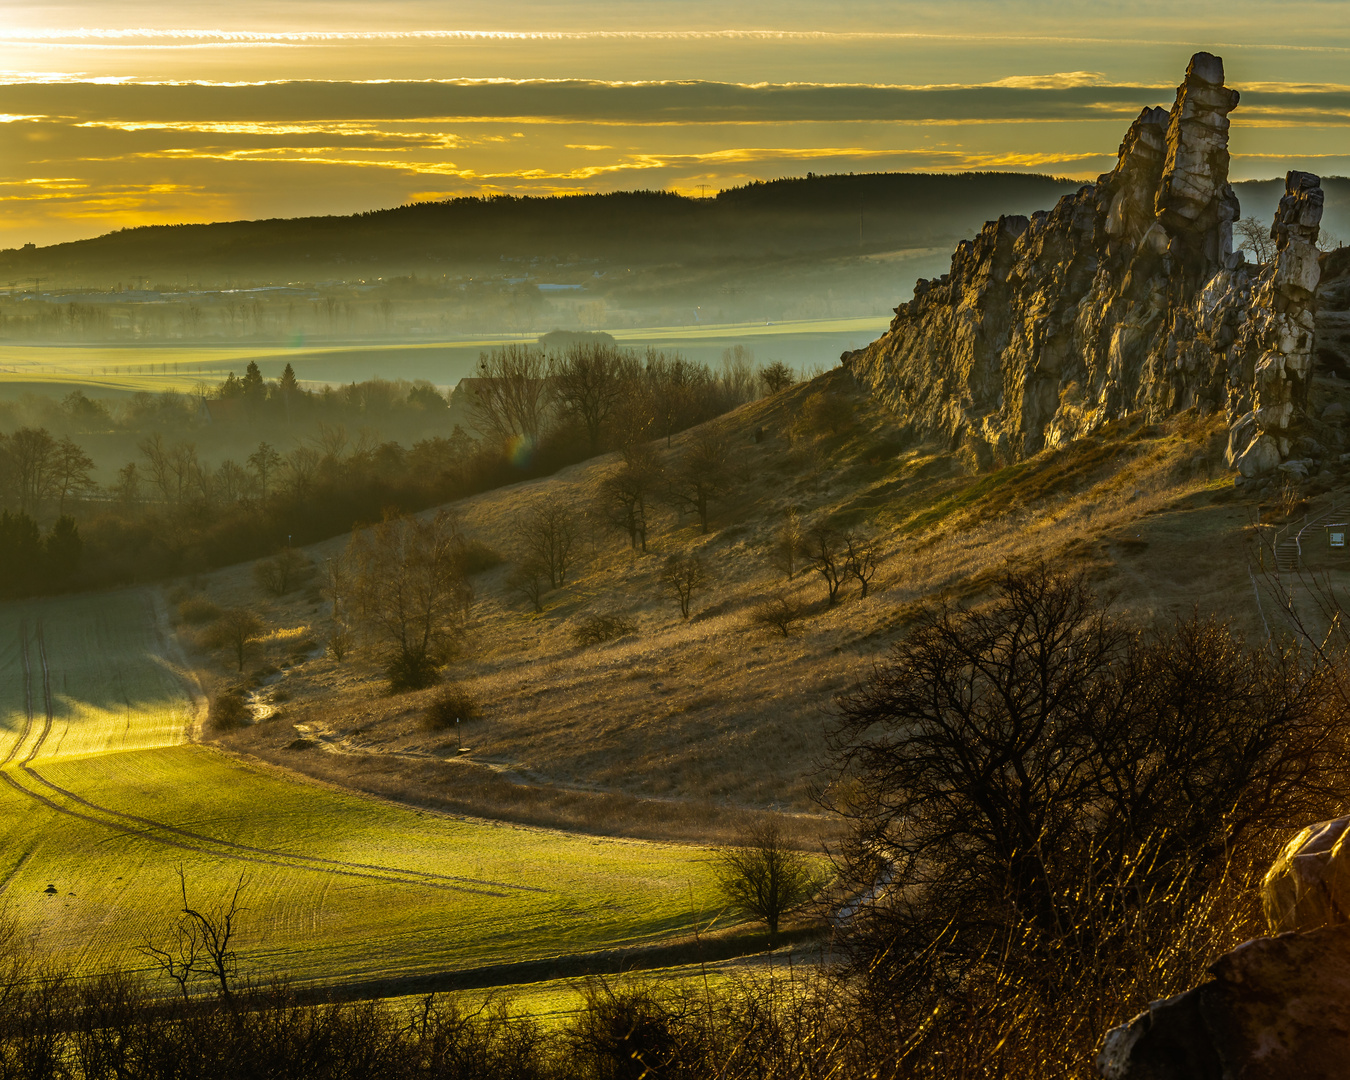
(229, 711)
(1049, 809)
(597, 629)
(451, 704)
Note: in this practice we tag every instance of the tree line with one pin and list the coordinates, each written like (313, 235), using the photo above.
(170, 511)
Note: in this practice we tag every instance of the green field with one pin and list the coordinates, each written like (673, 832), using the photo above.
(58, 369)
(103, 799)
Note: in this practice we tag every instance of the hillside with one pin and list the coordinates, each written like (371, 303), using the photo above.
(813, 215)
(679, 728)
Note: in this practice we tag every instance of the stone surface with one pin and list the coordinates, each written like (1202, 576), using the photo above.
(1277, 1008)
(1125, 297)
(1308, 886)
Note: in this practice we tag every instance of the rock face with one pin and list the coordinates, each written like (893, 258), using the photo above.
(1276, 1009)
(1125, 297)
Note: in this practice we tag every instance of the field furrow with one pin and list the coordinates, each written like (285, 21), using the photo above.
(102, 803)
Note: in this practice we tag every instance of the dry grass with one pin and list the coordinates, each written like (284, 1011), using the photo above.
(681, 727)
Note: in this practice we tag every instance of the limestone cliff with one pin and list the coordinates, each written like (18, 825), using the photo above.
(1126, 296)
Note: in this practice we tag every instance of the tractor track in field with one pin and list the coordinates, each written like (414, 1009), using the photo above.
(27, 695)
(237, 852)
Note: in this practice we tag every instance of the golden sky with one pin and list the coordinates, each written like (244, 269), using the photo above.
(119, 113)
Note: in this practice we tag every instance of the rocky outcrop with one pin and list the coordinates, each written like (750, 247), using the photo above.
(1275, 1009)
(1126, 297)
(1276, 1006)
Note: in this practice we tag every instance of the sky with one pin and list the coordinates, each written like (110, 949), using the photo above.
(117, 113)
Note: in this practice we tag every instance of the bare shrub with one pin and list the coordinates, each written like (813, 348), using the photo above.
(787, 544)
(1290, 499)
(823, 413)
(777, 376)
(681, 577)
(452, 704)
(283, 572)
(480, 557)
(236, 630)
(338, 643)
(778, 613)
(597, 629)
(229, 711)
(196, 610)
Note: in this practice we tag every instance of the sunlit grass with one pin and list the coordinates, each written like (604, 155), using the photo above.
(338, 888)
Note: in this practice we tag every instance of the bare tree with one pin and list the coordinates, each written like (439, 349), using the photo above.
(336, 589)
(202, 942)
(1255, 239)
(681, 577)
(264, 462)
(625, 491)
(822, 550)
(703, 474)
(1029, 779)
(127, 488)
(588, 383)
(72, 472)
(236, 630)
(509, 394)
(763, 877)
(233, 483)
(410, 591)
(678, 390)
(737, 376)
(546, 534)
(787, 544)
(777, 376)
(530, 582)
(32, 460)
(302, 469)
(860, 559)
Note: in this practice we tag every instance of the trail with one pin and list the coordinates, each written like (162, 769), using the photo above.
(192, 841)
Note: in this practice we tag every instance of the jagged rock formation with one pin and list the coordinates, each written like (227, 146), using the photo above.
(1126, 296)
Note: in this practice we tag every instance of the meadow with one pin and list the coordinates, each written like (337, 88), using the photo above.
(99, 370)
(104, 799)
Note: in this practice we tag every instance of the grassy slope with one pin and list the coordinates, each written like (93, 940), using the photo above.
(679, 729)
(339, 887)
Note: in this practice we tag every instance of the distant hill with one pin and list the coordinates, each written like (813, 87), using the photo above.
(813, 215)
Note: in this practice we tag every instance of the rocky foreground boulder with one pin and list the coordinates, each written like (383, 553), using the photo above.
(1126, 297)
(1276, 1007)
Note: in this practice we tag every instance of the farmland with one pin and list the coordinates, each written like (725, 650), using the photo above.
(105, 369)
(104, 798)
